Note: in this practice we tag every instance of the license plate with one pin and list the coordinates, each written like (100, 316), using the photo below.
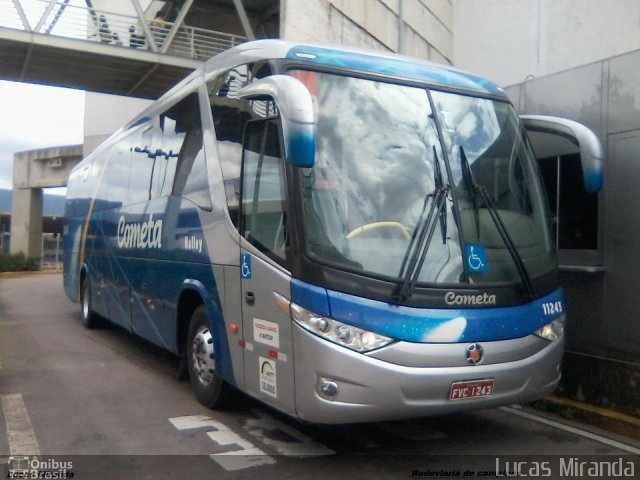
(472, 389)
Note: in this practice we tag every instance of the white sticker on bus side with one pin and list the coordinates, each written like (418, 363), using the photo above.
(268, 379)
(266, 332)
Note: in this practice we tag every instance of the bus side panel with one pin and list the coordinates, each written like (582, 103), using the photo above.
(94, 259)
(75, 212)
(115, 288)
(233, 315)
(153, 249)
(71, 256)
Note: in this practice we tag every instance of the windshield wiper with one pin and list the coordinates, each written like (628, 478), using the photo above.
(502, 230)
(467, 177)
(437, 173)
(421, 239)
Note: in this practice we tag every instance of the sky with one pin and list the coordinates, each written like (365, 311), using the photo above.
(36, 116)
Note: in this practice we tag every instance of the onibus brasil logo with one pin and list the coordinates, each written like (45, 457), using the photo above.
(26, 467)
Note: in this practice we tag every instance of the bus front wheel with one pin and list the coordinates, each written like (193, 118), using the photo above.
(209, 388)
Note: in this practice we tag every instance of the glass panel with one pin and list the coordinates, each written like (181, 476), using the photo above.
(116, 180)
(167, 158)
(191, 179)
(379, 162)
(230, 115)
(372, 184)
(501, 161)
(142, 162)
(574, 210)
(263, 189)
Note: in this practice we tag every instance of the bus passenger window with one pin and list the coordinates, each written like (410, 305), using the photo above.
(116, 179)
(191, 179)
(166, 157)
(264, 206)
(174, 124)
(142, 162)
(230, 114)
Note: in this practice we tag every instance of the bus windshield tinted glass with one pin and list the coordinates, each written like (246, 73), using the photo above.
(484, 137)
(376, 173)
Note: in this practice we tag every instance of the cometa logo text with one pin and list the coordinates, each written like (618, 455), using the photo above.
(481, 299)
(140, 234)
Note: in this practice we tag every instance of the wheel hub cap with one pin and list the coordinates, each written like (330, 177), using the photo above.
(202, 355)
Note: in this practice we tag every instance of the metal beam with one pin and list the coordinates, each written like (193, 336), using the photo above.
(268, 13)
(92, 12)
(25, 63)
(248, 31)
(57, 17)
(176, 25)
(401, 26)
(45, 14)
(70, 45)
(23, 17)
(145, 25)
(143, 79)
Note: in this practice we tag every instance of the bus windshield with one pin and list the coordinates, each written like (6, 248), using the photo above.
(384, 151)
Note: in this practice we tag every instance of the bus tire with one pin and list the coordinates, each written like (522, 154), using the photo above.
(89, 317)
(209, 388)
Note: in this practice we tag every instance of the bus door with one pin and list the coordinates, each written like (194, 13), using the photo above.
(268, 357)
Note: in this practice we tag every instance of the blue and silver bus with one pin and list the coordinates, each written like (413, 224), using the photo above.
(346, 236)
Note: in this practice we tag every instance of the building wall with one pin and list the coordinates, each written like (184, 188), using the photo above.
(104, 114)
(508, 40)
(425, 31)
(603, 332)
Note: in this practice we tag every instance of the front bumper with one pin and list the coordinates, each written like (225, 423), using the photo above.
(373, 390)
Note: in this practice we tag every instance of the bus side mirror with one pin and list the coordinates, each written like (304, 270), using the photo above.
(581, 139)
(296, 113)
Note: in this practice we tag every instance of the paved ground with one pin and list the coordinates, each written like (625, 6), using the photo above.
(110, 403)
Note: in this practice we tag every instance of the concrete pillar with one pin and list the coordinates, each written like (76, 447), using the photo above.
(26, 221)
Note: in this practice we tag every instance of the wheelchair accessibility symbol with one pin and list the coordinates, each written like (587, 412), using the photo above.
(245, 266)
(476, 258)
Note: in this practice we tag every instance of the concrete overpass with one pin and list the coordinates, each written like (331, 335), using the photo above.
(34, 170)
(123, 48)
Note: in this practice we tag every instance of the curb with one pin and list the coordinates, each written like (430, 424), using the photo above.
(603, 418)
(25, 274)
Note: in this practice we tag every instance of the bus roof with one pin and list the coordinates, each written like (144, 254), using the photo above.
(380, 63)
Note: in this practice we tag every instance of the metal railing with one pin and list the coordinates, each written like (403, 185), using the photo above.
(67, 19)
(5, 239)
(199, 44)
(51, 258)
(50, 250)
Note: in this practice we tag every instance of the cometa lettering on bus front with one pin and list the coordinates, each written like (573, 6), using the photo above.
(140, 234)
(451, 298)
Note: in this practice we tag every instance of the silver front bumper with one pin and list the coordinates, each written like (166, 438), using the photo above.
(372, 390)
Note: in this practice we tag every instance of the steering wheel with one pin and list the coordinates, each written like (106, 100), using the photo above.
(372, 226)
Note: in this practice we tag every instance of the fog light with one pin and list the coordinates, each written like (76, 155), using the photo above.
(328, 388)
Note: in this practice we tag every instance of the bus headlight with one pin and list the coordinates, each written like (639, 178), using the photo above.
(346, 335)
(553, 330)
